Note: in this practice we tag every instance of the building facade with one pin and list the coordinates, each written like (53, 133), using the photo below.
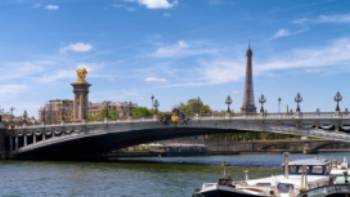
(122, 109)
(56, 111)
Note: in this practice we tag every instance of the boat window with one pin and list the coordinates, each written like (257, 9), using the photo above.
(300, 169)
(293, 169)
(317, 170)
(284, 187)
(263, 184)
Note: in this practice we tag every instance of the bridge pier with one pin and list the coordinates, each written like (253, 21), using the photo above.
(24, 140)
(16, 143)
(10, 143)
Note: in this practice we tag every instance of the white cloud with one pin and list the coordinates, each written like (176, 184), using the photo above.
(182, 49)
(336, 18)
(69, 73)
(12, 88)
(88, 67)
(125, 7)
(281, 33)
(57, 75)
(78, 47)
(20, 70)
(335, 55)
(155, 79)
(52, 7)
(221, 71)
(155, 4)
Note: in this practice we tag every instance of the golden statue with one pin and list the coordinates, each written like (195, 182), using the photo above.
(81, 75)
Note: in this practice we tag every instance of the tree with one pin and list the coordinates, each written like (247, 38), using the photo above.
(194, 106)
(140, 112)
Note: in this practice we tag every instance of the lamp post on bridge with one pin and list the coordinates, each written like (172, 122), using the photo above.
(279, 104)
(337, 98)
(228, 102)
(156, 105)
(130, 109)
(198, 106)
(152, 102)
(318, 110)
(262, 101)
(298, 99)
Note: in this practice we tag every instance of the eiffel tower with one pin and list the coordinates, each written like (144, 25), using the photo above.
(248, 105)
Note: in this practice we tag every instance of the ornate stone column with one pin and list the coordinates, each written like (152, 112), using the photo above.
(81, 100)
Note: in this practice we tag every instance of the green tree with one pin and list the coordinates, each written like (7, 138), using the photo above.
(92, 117)
(194, 106)
(141, 112)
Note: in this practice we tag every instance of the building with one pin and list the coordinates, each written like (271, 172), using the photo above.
(248, 105)
(122, 109)
(56, 111)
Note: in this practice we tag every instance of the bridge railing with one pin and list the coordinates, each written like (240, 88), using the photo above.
(256, 116)
(90, 123)
(233, 116)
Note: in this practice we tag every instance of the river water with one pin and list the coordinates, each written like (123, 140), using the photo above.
(153, 177)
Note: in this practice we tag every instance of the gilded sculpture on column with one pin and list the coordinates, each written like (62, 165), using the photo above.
(81, 75)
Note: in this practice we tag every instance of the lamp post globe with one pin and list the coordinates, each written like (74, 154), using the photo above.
(262, 101)
(298, 99)
(279, 100)
(156, 105)
(228, 102)
(337, 98)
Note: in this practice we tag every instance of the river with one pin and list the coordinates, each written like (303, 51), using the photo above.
(153, 177)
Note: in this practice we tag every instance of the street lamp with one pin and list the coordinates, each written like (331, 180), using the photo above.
(106, 111)
(130, 109)
(337, 98)
(262, 100)
(228, 102)
(198, 105)
(279, 104)
(156, 105)
(152, 101)
(298, 99)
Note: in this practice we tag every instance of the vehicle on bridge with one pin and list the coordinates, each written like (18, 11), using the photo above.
(301, 178)
(175, 117)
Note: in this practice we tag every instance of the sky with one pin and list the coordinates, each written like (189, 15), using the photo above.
(176, 50)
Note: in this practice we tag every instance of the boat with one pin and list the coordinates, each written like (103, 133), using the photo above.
(313, 177)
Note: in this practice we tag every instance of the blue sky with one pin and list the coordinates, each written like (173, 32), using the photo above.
(174, 49)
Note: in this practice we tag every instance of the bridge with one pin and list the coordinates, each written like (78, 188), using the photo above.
(90, 140)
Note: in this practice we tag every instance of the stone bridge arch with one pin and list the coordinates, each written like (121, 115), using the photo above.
(89, 140)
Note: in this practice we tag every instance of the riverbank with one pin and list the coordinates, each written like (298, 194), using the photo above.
(263, 146)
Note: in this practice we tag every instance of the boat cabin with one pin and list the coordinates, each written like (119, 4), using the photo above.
(311, 167)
